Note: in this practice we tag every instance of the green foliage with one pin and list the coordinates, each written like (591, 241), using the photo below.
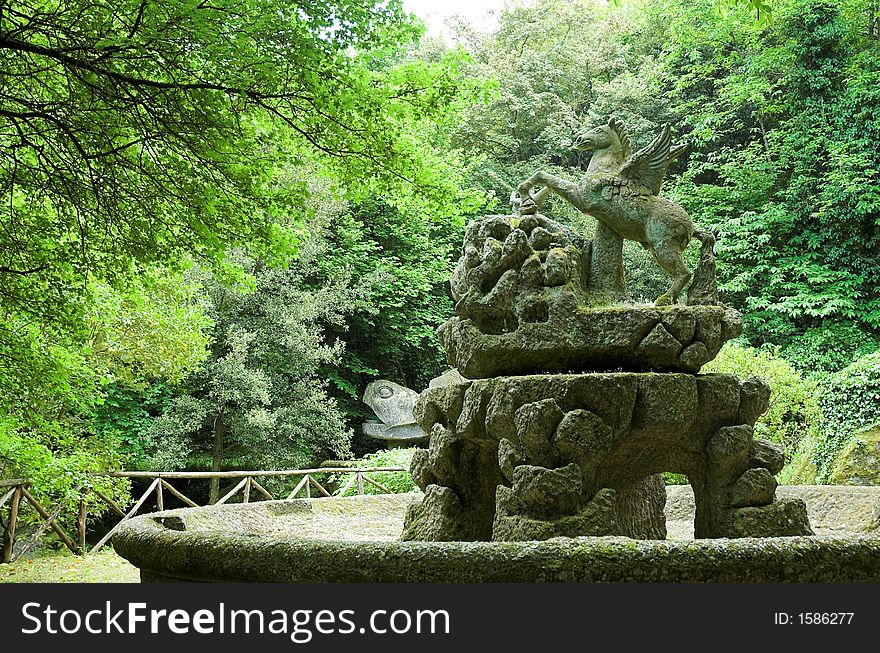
(850, 400)
(258, 400)
(57, 458)
(142, 134)
(396, 482)
(794, 411)
(156, 328)
(829, 348)
(403, 260)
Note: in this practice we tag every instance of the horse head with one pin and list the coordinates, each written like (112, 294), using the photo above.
(609, 144)
(599, 138)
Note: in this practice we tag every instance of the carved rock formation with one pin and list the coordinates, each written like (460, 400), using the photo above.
(545, 455)
(524, 305)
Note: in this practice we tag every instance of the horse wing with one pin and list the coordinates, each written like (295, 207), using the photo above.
(647, 167)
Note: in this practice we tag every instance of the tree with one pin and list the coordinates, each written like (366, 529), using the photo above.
(780, 119)
(147, 132)
(259, 400)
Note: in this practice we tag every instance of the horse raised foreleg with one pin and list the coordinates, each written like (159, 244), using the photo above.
(562, 187)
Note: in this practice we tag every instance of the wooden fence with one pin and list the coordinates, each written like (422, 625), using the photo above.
(12, 491)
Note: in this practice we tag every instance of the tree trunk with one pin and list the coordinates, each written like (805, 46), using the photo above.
(217, 457)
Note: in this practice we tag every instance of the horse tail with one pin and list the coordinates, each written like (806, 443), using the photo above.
(707, 240)
(704, 289)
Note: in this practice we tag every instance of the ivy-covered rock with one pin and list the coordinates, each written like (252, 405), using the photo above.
(850, 400)
(858, 463)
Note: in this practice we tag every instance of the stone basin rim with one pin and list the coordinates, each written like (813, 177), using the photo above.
(164, 554)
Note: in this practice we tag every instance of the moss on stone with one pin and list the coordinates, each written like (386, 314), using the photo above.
(213, 548)
(858, 463)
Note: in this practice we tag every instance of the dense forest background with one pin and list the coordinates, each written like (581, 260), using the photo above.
(220, 222)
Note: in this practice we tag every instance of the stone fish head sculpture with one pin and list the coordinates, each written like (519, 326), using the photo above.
(393, 405)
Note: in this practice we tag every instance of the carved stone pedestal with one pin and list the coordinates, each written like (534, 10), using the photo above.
(534, 457)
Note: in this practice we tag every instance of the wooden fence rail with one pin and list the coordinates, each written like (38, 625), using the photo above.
(15, 490)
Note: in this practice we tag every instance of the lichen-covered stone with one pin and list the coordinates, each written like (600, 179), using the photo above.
(347, 540)
(597, 518)
(535, 424)
(582, 435)
(694, 356)
(659, 345)
(524, 305)
(420, 469)
(858, 462)
(729, 442)
(560, 334)
(754, 399)
(547, 493)
(783, 517)
(755, 487)
(509, 456)
(525, 455)
(619, 430)
(437, 517)
(640, 509)
(767, 455)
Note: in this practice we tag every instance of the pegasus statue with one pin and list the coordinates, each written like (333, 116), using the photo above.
(621, 191)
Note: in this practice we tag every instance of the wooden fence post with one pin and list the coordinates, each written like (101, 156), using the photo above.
(128, 516)
(81, 523)
(9, 533)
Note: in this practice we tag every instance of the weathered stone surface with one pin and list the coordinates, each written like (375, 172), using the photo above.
(547, 493)
(755, 487)
(719, 396)
(767, 455)
(598, 517)
(437, 517)
(681, 324)
(858, 463)
(730, 442)
(509, 456)
(354, 539)
(392, 403)
(784, 517)
(704, 288)
(659, 345)
(420, 469)
(581, 436)
(694, 356)
(535, 425)
(523, 304)
(443, 454)
(620, 190)
(555, 334)
(526, 455)
(617, 430)
(754, 399)
(832, 509)
(640, 509)
(452, 377)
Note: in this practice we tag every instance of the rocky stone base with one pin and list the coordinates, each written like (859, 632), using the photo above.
(525, 303)
(581, 338)
(534, 457)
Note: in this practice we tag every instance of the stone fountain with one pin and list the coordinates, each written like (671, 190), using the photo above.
(546, 447)
(574, 406)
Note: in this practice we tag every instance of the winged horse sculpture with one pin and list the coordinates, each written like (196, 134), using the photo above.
(621, 190)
